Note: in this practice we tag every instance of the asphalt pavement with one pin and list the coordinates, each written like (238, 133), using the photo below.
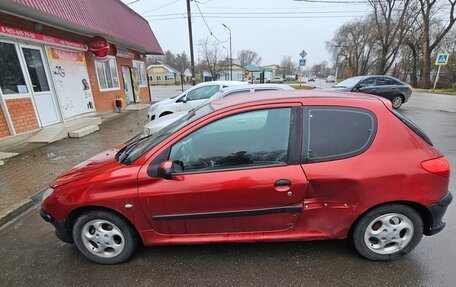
(31, 255)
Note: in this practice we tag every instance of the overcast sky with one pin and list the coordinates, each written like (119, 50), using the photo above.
(296, 25)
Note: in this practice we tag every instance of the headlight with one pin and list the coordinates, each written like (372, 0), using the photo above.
(146, 132)
(47, 193)
(153, 108)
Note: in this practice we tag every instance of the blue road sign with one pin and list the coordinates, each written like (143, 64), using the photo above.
(302, 62)
(442, 59)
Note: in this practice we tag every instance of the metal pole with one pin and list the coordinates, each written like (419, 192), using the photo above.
(231, 55)
(190, 35)
(436, 78)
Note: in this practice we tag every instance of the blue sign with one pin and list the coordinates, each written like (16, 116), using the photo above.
(442, 59)
(302, 62)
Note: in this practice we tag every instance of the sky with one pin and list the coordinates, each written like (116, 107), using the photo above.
(270, 28)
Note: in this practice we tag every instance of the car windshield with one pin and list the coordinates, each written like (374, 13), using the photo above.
(349, 83)
(137, 148)
(176, 96)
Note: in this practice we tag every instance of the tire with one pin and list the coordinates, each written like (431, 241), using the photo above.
(397, 101)
(404, 228)
(109, 238)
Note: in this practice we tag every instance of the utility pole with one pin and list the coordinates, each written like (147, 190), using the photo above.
(231, 55)
(190, 35)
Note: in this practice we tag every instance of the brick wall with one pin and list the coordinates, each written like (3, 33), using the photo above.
(104, 101)
(4, 131)
(22, 114)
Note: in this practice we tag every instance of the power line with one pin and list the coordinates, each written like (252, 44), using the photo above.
(262, 13)
(260, 17)
(210, 31)
(160, 7)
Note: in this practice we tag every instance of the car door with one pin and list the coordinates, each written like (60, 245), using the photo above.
(368, 86)
(386, 88)
(239, 173)
(198, 96)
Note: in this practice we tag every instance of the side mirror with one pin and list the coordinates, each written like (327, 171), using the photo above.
(184, 99)
(165, 170)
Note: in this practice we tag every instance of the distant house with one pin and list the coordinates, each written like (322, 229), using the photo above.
(238, 73)
(187, 76)
(271, 71)
(161, 73)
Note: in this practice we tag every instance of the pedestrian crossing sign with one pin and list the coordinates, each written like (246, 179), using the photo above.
(442, 59)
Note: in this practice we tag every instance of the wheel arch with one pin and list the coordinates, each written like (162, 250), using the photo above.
(81, 210)
(419, 208)
(165, 113)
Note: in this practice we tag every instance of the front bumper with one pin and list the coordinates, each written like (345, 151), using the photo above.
(437, 211)
(61, 228)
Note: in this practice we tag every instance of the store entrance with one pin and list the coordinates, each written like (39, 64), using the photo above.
(128, 85)
(37, 75)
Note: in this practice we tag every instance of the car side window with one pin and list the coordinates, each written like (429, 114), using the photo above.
(250, 139)
(370, 82)
(202, 93)
(385, 82)
(332, 133)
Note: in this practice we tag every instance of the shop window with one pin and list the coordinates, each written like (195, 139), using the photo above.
(158, 78)
(140, 72)
(166, 78)
(108, 79)
(11, 78)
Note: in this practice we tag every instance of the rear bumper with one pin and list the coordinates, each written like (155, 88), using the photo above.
(61, 229)
(437, 211)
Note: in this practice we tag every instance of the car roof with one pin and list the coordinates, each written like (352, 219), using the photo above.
(256, 86)
(225, 83)
(299, 95)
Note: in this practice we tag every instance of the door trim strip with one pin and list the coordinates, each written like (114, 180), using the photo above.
(237, 213)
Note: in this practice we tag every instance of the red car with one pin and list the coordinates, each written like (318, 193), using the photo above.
(270, 166)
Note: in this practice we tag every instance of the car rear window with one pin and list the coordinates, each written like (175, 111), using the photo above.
(413, 127)
(332, 133)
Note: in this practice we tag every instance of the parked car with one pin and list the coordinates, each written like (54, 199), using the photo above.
(189, 99)
(311, 79)
(388, 87)
(155, 126)
(277, 80)
(330, 79)
(270, 166)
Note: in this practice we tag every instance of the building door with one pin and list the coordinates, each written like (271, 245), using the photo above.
(128, 85)
(37, 74)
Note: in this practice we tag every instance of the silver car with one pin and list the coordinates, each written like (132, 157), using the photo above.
(163, 121)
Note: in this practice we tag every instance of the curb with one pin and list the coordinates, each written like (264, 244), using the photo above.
(21, 208)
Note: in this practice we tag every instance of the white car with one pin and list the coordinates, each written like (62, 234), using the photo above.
(189, 99)
(156, 125)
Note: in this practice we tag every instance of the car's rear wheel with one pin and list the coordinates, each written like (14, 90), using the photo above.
(397, 102)
(104, 237)
(388, 232)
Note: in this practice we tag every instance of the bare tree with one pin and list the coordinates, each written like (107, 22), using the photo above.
(353, 42)
(287, 66)
(248, 57)
(429, 13)
(392, 20)
(211, 58)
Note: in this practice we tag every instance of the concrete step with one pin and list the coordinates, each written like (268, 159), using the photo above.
(60, 131)
(83, 132)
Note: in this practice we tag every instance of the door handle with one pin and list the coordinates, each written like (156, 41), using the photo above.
(283, 185)
(282, 182)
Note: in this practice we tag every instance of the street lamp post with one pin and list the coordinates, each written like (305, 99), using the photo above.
(231, 55)
(227, 56)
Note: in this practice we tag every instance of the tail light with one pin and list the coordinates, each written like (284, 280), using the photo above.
(439, 166)
(411, 88)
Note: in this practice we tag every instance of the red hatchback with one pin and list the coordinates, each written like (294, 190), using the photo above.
(270, 166)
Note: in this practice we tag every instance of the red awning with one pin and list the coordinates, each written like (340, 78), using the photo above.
(109, 18)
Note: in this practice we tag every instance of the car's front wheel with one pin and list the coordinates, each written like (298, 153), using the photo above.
(397, 102)
(388, 232)
(104, 237)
